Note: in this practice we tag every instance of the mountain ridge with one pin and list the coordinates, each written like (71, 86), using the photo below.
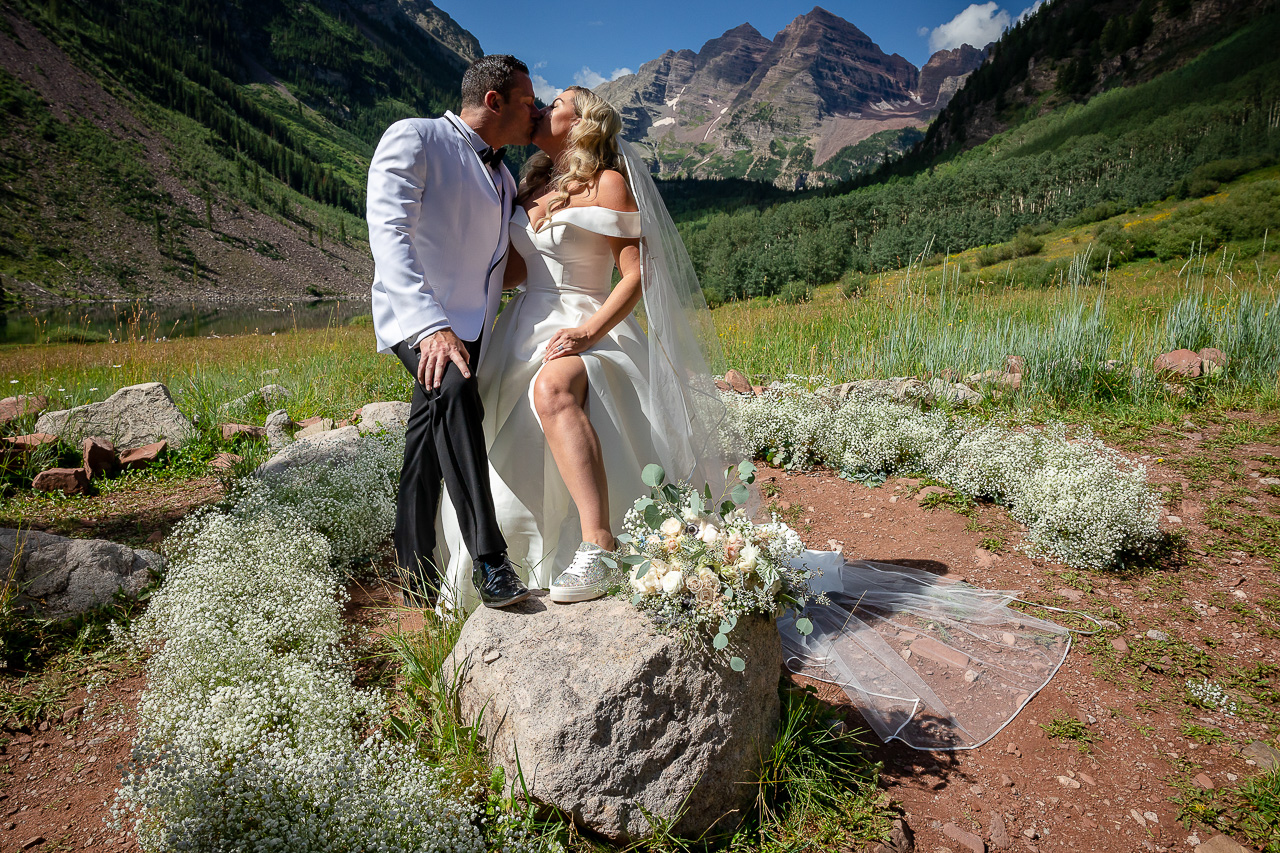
(781, 109)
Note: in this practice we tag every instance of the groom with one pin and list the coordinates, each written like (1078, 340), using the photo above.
(439, 201)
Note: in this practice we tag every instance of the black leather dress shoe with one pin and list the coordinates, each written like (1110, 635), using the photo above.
(498, 585)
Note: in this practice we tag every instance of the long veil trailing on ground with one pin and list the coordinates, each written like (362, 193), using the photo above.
(689, 416)
(934, 664)
(938, 665)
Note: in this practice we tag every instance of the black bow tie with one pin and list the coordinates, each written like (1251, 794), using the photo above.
(492, 157)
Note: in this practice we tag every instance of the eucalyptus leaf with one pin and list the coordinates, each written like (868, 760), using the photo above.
(727, 507)
(609, 561)
(737, 664)
(636, 599)
(653, 475)
(726, 626)
(671, 493)
(625, 538)
(642, 570)
(695, 502)
(706, 491)
(804, 626)
(746, 471)
(633, 559)
(653, 516)
(721, 641)
(739, 494)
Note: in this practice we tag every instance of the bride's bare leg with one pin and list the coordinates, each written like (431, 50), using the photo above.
(559, 395)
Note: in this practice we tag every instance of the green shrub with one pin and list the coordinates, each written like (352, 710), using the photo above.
(854, 284)
(795, 292)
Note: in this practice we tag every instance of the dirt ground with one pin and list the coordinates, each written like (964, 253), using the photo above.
(1140, 746)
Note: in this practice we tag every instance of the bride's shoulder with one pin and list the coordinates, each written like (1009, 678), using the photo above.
(612, 191)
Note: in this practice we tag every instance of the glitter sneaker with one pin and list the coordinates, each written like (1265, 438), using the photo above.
(584, 579)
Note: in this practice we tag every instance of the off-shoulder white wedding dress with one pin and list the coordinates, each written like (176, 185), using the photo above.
(570, 272)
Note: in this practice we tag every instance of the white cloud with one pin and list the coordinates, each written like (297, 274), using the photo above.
(922, 32)
(1029, 11)
(975, 26)
(591, 79)
(543, 89)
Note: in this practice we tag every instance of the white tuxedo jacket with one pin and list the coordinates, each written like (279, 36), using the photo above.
(438, 225)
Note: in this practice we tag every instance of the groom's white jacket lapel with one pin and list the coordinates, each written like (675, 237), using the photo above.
(438, 229)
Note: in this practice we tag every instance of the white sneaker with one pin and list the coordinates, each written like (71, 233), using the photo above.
(584, 579)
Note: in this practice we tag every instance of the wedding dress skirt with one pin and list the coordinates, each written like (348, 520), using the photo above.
(935, 664)
(570, 267)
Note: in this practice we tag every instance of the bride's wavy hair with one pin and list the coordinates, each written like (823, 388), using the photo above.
(591, 148)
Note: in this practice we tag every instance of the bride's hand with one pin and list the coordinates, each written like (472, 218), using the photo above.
(567, 342)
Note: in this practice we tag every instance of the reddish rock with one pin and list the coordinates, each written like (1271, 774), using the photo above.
(1010, 380)
(306, 422)
(738, 382)
(72, 481)
(964, 838)
(12, 408)
(253, 433)
(757, 390)
(99, 457)
(140, 457)
(1179, 364)
(1015, 364)
(1212, 360)
(935, 651)
(27, 443)
(723, 386)
(1203, 780)
(223, 463)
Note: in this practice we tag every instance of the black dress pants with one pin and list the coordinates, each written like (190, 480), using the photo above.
(444, 440)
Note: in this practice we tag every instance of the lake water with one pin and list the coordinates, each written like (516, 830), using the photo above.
(99, 322)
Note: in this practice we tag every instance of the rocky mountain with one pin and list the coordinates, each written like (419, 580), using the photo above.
(456, 44)
(817, 103)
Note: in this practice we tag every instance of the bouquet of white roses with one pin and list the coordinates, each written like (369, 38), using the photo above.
(697, 568)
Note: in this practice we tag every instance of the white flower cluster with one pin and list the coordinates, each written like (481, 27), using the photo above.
(1209, 694)
(1083, 503)
(247, 733)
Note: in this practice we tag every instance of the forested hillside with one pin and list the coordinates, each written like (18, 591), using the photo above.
(204, 148)
(1178, 133)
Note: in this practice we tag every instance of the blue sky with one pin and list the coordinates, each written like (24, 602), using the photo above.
(587, 41)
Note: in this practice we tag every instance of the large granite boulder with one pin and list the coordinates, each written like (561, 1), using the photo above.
(131, 417)
(332, 447)
(610, 719)
(59, 577)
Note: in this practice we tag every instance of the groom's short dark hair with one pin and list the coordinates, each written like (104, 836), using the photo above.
(493, 73)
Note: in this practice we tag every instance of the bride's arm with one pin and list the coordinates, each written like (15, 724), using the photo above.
(611, 192)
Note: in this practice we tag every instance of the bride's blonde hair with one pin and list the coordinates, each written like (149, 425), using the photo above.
(591, 148)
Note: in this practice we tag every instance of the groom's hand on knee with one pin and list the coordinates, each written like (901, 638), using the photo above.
(436, 351)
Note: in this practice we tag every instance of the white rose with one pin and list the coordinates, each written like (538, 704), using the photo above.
(708, 533)
(649, 584)
(658, 567)
(748, 557)
(690, 516)
(671, 527)
(672, 582)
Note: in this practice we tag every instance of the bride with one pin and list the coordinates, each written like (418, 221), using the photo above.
(579, 397)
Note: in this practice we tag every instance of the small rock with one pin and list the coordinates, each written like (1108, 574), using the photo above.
(1158, 636)
(99, 457)
(1120, 645)
(131, 417)
(1178, 365)
(1269, 481)
(70, 481)
(1068, 782)
(224, 463)
(1137, 816)
(930, 490)
(384, 415)
(232, 431)
(32, 842)
(1173, 519)
(721, 385)
(1073, 595)
(280, 428)
(314, 426)
(267, 395)
(1263, 754)
(141, 457)
(1109, 625)
(1203, 780)
(964, 838)
(12, 408)
(1087, 779)
(1005, 781)
(998, 833)
(1212, 360)
(935, 651)
(72, 712)
(27, 443)
(970, 676)
(1221, 844)
(1030, 833)
(738, 382)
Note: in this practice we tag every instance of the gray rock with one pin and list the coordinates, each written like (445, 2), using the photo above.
(325, 448)
(322, 425)
(1158, 636)
(131, 417)
(1221, 844)
(955, 392)
(59, 577)
(610, 718)
(1262, 754)
(379, 416)
(267, 395)
(279, 428)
